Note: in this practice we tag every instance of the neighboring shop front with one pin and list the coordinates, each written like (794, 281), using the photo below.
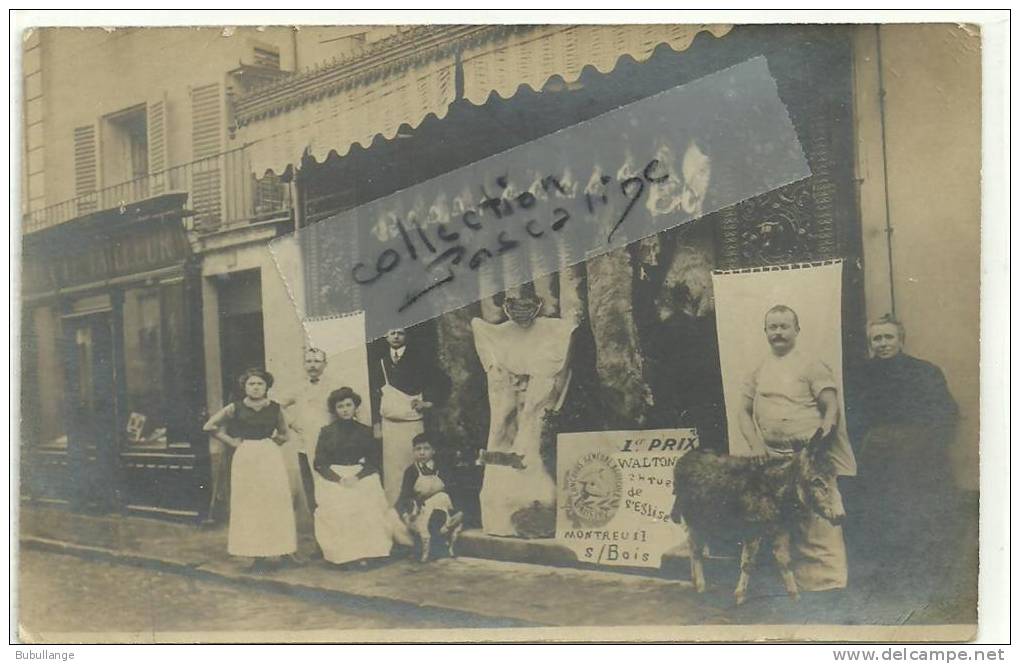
(112, 364)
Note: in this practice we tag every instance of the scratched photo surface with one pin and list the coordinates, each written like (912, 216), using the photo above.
(499, 333)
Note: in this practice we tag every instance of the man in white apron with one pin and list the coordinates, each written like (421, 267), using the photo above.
(307, 414)
(403, 380)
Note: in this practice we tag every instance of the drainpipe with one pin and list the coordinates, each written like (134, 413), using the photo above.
(885, 169)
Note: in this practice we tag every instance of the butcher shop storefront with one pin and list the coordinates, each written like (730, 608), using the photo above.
(611, 338)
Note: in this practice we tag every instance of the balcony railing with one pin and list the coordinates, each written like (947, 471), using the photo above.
(223, 191)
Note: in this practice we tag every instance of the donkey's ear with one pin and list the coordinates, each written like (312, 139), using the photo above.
(810, 445)
(801, 495)
(820, 444)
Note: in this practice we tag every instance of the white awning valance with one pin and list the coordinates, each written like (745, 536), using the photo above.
(533, 57)
(353, 115)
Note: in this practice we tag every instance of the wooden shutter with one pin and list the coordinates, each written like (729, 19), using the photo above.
(86, 168)
(159, 160)
(207, 129)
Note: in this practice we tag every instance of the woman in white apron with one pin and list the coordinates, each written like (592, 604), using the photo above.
(353, 519)
(261, 512)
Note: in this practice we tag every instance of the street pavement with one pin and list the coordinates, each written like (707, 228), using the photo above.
(62, 594)
(461, 593)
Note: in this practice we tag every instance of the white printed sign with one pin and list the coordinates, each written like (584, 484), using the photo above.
(615, 494)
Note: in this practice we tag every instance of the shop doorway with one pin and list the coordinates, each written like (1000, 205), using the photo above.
(92, 406)
(242, 341)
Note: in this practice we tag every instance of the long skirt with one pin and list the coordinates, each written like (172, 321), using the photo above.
(354, 522)
(261, 509)
(905, 537)
(397, 453)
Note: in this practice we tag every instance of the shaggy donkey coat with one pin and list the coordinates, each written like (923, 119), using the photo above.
(754, 500)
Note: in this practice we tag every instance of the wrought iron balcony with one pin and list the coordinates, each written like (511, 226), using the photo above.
(222, 191)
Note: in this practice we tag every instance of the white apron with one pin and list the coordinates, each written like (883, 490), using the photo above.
(400, 424)
(397, 454)
(819, 551)
(354, 523)
(261, 510)
(818, 548)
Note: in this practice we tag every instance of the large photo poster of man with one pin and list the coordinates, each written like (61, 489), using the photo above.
(781, 355)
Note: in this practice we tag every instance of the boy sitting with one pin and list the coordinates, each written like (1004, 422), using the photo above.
(424, 504)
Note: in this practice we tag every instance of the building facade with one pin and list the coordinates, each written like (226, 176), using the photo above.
(292, 127)
(129, 169)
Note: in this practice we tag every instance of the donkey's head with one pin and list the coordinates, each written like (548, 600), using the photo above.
(816, 479)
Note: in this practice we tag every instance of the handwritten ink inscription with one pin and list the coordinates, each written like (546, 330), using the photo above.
(446, 247)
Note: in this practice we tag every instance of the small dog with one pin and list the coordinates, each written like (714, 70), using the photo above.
(435, 518)
(728, 495)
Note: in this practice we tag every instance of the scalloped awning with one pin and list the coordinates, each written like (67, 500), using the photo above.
(533, 57)
(335, 117)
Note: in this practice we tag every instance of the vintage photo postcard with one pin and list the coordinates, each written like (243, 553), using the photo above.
(463, 332)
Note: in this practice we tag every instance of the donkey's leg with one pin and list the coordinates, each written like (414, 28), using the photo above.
(781, 552)
(747, 557)
(697, 552)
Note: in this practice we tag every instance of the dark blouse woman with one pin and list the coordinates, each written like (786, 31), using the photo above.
(352, 519)
(346, 442)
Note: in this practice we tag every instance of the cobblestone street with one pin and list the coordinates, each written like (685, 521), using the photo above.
(82, 577)
(65, 594)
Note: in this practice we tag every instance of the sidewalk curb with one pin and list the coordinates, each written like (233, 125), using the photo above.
(379, 603)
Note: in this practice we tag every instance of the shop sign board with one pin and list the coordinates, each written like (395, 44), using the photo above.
(615, 495)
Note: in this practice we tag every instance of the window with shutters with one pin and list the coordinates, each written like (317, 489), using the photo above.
(159, 160)
(124, 155)
(86, 172)
(207, 129)
(266, 56)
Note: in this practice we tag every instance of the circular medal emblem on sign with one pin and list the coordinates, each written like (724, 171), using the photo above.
(594, 488)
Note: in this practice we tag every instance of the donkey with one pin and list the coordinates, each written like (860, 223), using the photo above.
(755, 500)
